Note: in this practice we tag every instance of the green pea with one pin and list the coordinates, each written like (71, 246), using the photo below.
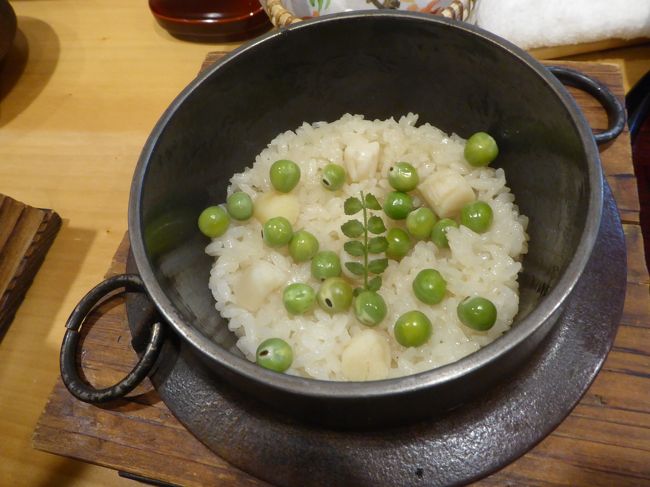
(399, 243)
(303, 246)
(398, 205)
(298, 298)
(325, 264)
(370, 308)
(277, 231)
(476, 216)
(240, 206)
(335, 295)
(274, 354)
(477, 313)
(429, 286)
(214, 221)
(333, 177)
(420, 222)
(285, 175)
(481, 149)
(403, 177)
(439, 232)
(412, 329)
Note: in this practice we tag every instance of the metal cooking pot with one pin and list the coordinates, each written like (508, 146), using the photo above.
(380, 64)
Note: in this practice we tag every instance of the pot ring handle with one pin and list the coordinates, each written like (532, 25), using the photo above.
(613, 106)
(68, 359)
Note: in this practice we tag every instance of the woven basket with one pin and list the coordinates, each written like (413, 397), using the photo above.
(281, 17)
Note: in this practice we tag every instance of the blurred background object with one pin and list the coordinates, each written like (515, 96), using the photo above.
(638, 108)
(210, 21)
(285, 12)
(7, 27)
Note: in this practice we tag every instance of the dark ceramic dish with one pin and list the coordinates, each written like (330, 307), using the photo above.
(379, 64)
(7, 27)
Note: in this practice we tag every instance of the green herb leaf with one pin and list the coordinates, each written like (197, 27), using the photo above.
(377, 245)
(377, 266)
(352, 205)
(352, 229)
(376, 225)
(355, 268)
(374, 284)
(355, 229)
(354, 247)
(372, 203)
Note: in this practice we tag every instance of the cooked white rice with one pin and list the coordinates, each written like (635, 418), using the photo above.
(485, 265)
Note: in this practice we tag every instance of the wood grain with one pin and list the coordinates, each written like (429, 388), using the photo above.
(582, 48)
(605, 441)
(26, 234)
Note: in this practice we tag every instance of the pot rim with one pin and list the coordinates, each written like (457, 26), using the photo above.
(316, 388)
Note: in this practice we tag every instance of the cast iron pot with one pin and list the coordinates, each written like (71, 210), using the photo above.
(381, 64)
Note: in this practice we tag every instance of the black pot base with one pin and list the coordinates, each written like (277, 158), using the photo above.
(463, 445)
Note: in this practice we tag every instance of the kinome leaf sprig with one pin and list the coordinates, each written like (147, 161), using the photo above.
(361, 244)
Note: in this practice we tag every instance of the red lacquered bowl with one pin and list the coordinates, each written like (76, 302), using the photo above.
(216, 20)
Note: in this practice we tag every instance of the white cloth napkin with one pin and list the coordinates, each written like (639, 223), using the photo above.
(547, 23)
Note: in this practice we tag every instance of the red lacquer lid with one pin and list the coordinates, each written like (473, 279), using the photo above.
(216, 20)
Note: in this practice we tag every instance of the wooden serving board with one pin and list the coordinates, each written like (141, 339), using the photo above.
(605, 441)
(555, 52)
(26, 234)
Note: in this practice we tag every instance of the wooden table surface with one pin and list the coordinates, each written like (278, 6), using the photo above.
(82, 88)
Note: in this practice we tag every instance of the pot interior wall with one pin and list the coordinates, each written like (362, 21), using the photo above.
(380, 67)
